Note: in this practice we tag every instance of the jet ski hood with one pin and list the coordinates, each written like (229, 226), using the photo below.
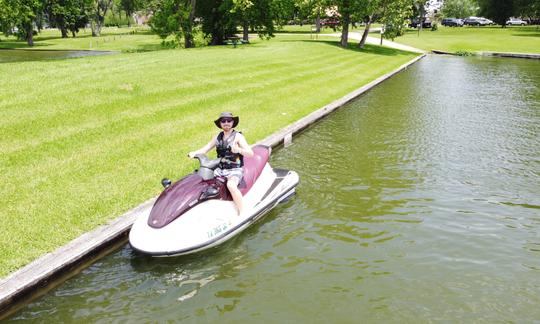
(176, 200)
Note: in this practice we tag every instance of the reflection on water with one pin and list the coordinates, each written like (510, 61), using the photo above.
(18, 55)
(420, 200)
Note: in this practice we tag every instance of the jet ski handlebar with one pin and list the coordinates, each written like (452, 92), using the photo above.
(207, 166)
(205, 162)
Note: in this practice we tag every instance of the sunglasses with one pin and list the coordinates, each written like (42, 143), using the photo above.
(226, 120)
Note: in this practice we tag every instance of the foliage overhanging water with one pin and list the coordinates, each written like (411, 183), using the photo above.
(420, 200)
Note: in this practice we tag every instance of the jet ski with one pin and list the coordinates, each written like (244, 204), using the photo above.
(197, 212)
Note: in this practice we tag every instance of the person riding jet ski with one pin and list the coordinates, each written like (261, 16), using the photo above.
(231, 147)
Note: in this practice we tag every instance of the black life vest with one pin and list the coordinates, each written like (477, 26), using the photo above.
(229, 160)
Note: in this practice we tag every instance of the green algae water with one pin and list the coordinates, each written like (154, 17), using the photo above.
(418, 202)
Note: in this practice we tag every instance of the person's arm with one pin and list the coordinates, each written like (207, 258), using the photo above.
(204, 149)
(242, 147)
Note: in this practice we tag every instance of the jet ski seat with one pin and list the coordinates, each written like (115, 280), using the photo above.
(253, 167)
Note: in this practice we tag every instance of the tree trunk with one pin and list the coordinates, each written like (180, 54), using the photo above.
(384, 24)
(96, 29)
(365, 34)
(100, 10)
(318, 23)
(345, 31)
(188, 33)
(245, 35)
(64, 32)
(30, 34)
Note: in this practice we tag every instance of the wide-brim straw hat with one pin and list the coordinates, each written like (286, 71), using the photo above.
(236, 119)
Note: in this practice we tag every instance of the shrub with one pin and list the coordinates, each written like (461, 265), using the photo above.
(464, 53)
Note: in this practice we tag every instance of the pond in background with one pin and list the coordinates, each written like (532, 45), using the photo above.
(19, 55)
(420, 201)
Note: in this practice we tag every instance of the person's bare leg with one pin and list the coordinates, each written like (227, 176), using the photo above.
(232, 185)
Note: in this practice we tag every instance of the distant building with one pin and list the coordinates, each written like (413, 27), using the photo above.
(141, 18)
(433, 7)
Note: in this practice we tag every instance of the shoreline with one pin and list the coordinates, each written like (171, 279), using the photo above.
(493, 54)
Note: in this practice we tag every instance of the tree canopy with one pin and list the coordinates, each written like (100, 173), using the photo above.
(19, 17)
(460, 8)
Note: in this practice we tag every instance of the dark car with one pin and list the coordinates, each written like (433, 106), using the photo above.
(426, 23)
(452, 22)
(330, 22)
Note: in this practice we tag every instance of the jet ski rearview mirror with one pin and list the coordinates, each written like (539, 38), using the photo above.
(165, 182)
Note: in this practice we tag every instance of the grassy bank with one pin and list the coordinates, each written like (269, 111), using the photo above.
(136, 39)
(472, 39)
(84, 140)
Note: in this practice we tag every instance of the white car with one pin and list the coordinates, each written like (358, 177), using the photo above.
(485, 21)
(516, 21)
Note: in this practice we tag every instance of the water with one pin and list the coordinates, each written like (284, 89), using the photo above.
(41, 55)
(418, 202)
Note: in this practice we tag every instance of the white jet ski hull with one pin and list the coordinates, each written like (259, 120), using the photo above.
(214, 221)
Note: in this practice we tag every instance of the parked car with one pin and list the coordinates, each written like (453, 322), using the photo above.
(426, 23)
(485, 21)
(452, 22)
(330, 22)
(472, 21)
(516, 21)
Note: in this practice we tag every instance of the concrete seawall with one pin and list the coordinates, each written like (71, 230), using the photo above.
(52, 269)
(494, 54)
(514, 55)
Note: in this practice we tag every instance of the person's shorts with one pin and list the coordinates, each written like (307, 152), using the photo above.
(237, 173)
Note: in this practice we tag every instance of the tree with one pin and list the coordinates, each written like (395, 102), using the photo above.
(217, 19)
(283, 11)
(393, 16)
(67, 15)
(129, 7)
(419, 12)
(366, 11)
(22, 14)
(345, 9)
(391, 13)
(528, 8)
(460, 8)
(242, 9)
(257, 15)
(174, 18)
(498, 10)
(312, 9)
(98, 10)
(6, 17)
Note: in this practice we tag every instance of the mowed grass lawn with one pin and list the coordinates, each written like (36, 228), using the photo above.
(472, 39)
(112, 39)
(85, 140)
